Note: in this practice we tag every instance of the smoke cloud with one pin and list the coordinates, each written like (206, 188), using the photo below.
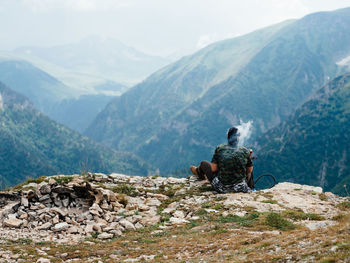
(245, 129)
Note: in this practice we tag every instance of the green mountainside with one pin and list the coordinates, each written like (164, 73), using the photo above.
(136, 116)
(178, 115)
(32, 145)
(52, 97)
(312, 145)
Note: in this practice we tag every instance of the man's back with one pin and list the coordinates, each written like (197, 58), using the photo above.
(232, 162)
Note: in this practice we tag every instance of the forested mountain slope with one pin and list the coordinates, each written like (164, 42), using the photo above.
(32, 145)
(312, 146)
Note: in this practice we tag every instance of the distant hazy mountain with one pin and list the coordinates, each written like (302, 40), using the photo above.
(32, 145)
(312, 145)
(95, 56)
(52, 97)
(42, 88)
(178, 115)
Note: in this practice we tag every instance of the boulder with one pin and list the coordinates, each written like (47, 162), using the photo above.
(179, 214)
(58, 211)
(13, 222)
(127, 224)
(176, 221)
(24, 201)
(45, 226)
(105, 236)
(73, 230)
(44, 188)
(148, 221)
(60, 227)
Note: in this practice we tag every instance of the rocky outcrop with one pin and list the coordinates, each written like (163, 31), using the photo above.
(70, 208)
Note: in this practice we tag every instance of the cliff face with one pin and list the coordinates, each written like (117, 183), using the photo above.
(168, 219)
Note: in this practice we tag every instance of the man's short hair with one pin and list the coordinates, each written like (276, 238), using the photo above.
(231, 131)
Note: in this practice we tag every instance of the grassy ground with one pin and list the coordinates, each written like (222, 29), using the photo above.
(256, 237)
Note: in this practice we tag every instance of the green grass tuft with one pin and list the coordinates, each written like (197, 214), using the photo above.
(126, 189)
(344, 206)
(276, 221)
(269, 201)
(300, 215)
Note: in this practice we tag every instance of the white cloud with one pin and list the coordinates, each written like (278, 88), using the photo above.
(75, 5)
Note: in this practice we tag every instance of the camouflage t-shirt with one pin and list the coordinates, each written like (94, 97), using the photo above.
(232, 163)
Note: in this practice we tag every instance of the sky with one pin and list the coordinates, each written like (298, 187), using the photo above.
(158, 27)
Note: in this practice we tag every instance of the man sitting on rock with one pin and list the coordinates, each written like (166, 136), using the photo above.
(229, 168)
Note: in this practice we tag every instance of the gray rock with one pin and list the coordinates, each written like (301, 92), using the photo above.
(175, 221)
(97, 228)
(151, 220)
(138, 225)
(43, 260)
(56, 219)
(57, 202)
(65, 202)
(153, 202)
(45, 189)
(45, 198)
(105, 236)
(60, 227)
(58, 211)
(9, 209)
(127, 225)
(12, 216)
(89, 229)
(52, 181)
(116, 232)
(179, 214)
(13, 222)
(24, 216)
(24, 201)
(73, 230)
(45, 226)
(95, 209)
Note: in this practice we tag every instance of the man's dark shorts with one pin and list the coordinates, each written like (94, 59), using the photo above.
(219, 187)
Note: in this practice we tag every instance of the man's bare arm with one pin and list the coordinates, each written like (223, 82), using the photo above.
(249, 170)
(214, 167)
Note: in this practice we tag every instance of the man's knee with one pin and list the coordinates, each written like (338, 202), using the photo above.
(205, 164)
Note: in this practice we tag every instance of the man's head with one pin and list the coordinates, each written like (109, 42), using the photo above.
(232, 136)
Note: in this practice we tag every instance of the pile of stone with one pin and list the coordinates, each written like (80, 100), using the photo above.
(84, 206)
(70, 208)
